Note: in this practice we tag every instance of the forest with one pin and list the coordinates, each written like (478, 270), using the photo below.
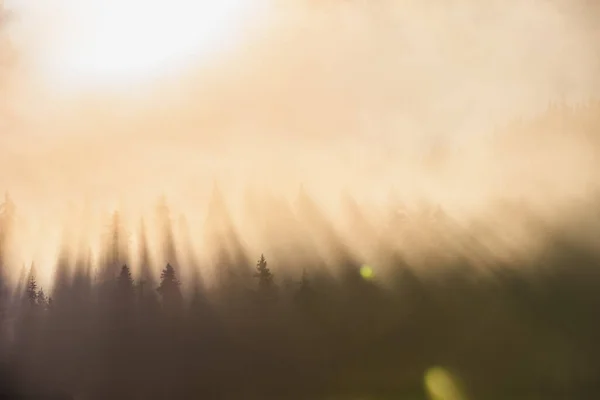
(430, 293)
(416, 303)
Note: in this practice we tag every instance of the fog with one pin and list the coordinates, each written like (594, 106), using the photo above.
(353, 198)
(413, 99)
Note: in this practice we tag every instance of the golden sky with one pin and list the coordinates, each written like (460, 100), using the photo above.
(125, 100)
(234, 79)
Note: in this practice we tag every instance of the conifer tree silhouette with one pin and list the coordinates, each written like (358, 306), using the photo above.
(169, 288)
(125, 286)
(264, 275)
(32, 290)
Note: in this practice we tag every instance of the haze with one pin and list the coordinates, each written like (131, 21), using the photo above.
(332, 95)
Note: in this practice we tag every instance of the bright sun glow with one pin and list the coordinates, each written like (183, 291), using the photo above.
(114, 41)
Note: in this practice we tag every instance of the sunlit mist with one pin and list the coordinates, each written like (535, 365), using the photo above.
(390, 104)
(300, 199)
(95, 43)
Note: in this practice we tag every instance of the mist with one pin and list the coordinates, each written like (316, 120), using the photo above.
(414, 98)
(392, 198)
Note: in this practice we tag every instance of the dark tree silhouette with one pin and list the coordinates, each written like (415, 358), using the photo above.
(169, 288)
(522, 324)
(125, 285)
(32, 291)
(263, 274)
(41, 299)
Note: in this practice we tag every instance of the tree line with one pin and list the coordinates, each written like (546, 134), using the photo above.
(353, 333)
(295, 322)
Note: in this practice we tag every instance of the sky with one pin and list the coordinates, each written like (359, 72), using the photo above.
(122, 101)
(470, 65)
(94, 43)
(393, 74)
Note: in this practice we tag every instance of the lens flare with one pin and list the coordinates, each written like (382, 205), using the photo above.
(441, 385)
(367, 272)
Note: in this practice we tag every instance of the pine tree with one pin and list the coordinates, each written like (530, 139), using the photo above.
(31, 291)
(169, 288)
(264, 275)
(42, 300)
(125, 286)
(124, 296)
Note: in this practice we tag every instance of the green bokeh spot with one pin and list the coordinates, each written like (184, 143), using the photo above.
(366, 272)
(441, 385)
